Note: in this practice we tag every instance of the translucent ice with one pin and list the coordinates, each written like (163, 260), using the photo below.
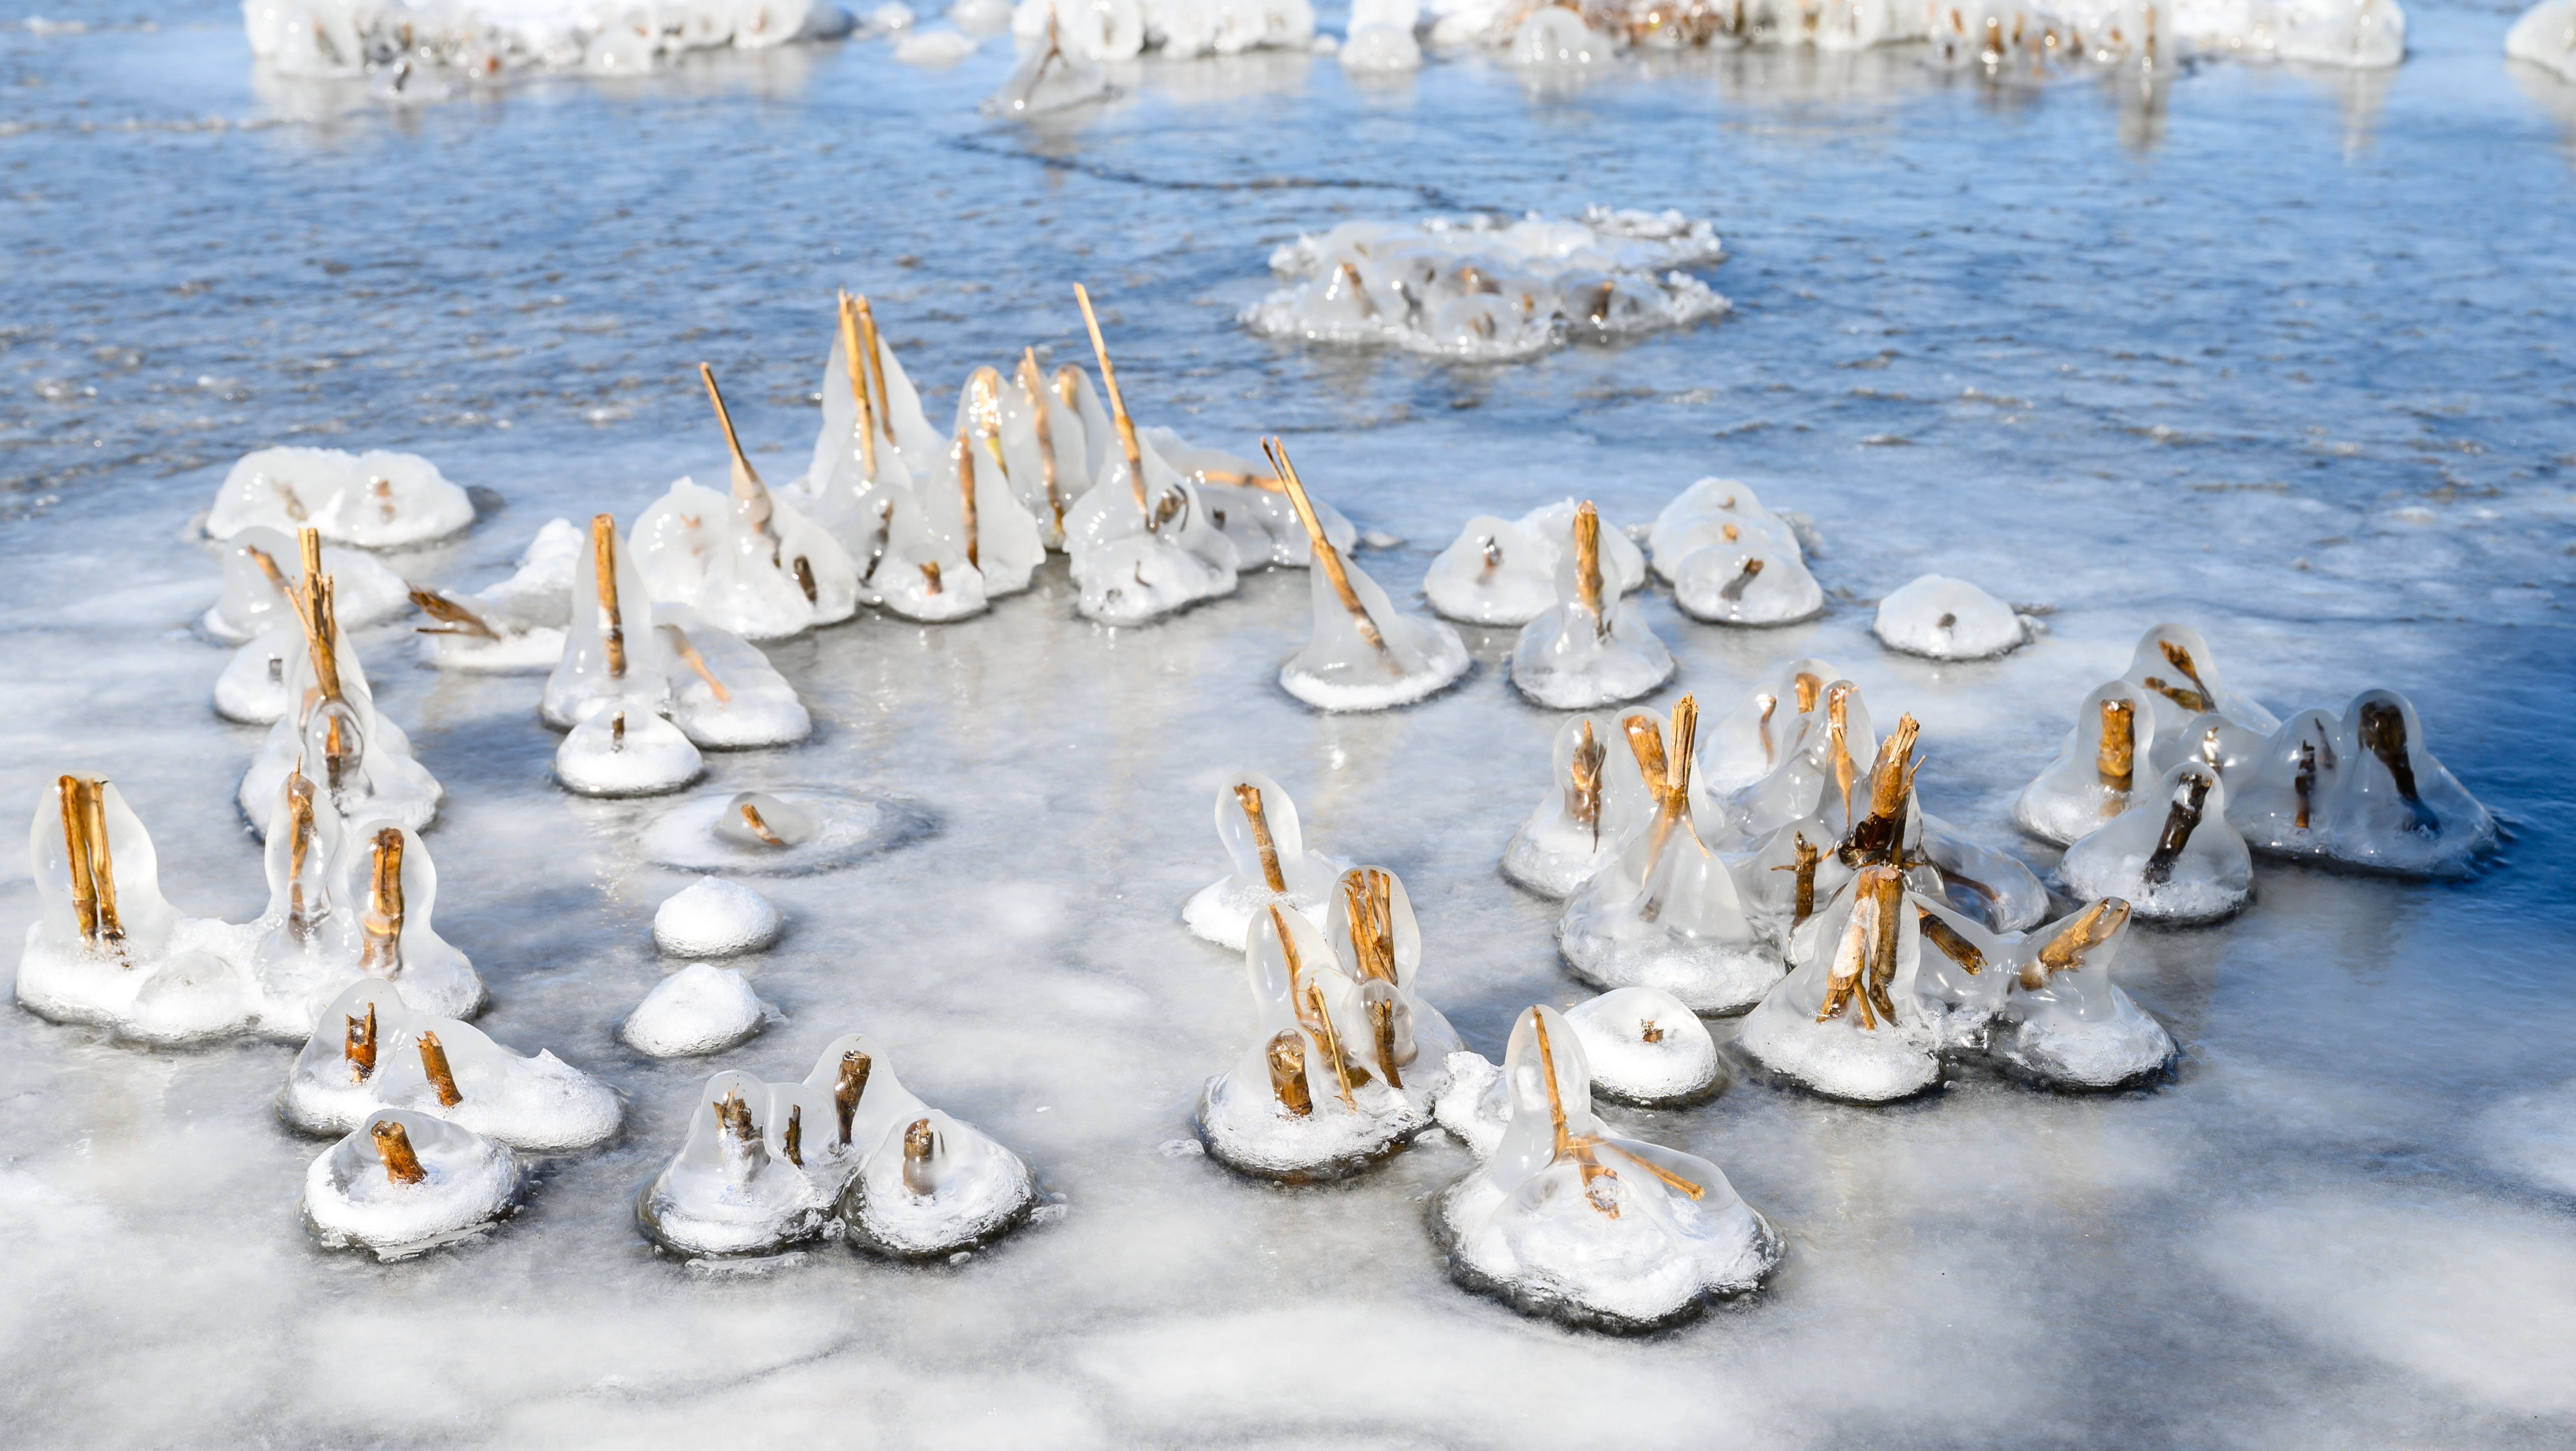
(1381, 37)
(1645, 1047)
(2096, 770)
(372, 500)
(1555, 36)
(252, 687)
(262, 568)
(1249, 503)
(402, 1183)
(1595, 800)
(1948, 619)
(1500, 572)
(2068, 1024)
(789, 831)
(478, 39)
(2362, 789)
(1766, 725)
(1363, 653)
(701, 1008)
(2172, 855)
(740, 1185)
(2546, 37)
(369, 1050)
(712, 917)
(1588, 649)
(2176, 668)
(972, 501)
(621, 752)
(1712, 512)
(373, 920)
(1846, 1023)
(1116, 30)
(1264, 841)
(515, 626)
(1141, 541)
(1566, 1220)
(1049, 76)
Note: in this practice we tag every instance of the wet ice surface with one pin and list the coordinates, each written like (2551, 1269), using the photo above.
(2294, 371)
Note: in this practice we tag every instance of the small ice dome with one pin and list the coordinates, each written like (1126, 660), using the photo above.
(1757, 581)
(1645, 1047)
(1589, 649)
(980, 17)
(1623, 564)
(1379, 45)
(402, 1183)
(758, 819)
(374, 500)
(1362, 653)
(1567, 1221)
(190, 997)
(1846, 1022)
(1765, 725)
(2096, 770)
(701, 1008)
(2545, 36)
(621, 752)
(2172, 855)
(1948, 619)
(712, 917)
(742, 1184)
(1712, 513)
(1476, 1105)
(935, 1186)
(2180, 673)
(1494, 573)
(2363, 790)
(252, 687)
(2070, 1025)
(1593, 803)
(1257, 824)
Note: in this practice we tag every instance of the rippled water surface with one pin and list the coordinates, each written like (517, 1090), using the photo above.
(2283, 354)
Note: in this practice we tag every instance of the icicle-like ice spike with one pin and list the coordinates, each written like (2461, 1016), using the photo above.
(381, 925)
(749, 493)
(1288, 1072)
(452, 618)
(2066, 950)
(612, 624)
(1117, 406)
(2182, 818)
(358, 1045)
(688, 655)
(848, 1088)
(1325, 554)
(2116, 760)
(393, 1145)
(920, 1144)
(858, 370)
(1250, 797)
(433, 1062)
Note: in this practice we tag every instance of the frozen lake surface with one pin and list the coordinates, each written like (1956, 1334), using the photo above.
(2284, 355)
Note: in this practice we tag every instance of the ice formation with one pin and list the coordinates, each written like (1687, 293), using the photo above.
(371, 1051)
(2172, 855)
(370, 500)
(334, 734)
(515, 626)
(980, 508)
(1382, 37)
(1363, 654)
(1500, 572)
(1589, 649)
(1846, 1022)
(403, 1183)
(1346, 1060)
(348, 903)
(845, 1151)
(2176, 668)
(701, 1008)
(2546, 37)
(1049, 76)
(2065, 1022)
(787, 832)
(1485, 289)
(1119, 30)
(748, 560)
(1248, 503)
(1663, 912)
(1566, 1220)
(1730, 560)
(1948, 619)
(2362, 789)
(1258, 826)
(2150, 37)
(2094, 773)
(1475, 1106)
(1645, 1047)
(1767, 725)
(479, 38)
(712, 917)
(256, 598)
(1591, 807)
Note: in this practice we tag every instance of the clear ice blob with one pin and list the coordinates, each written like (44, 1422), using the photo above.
(1565, 1220)
(1249, 504)
(1664, 912)
(1593, 803)
(1381, 39)
(2545, 36)
(1846, 1023)
(1815, 777)
(1645, 1047)
(2103, 761)
(701, 1008)
(373, 500)
(712, 917)
(369, 1050)
(252, 687)
(1713, 513)
(1948, 619)
(1362, 654)
(1553, 37)
(2362, 790)
(1495, 573)
(514, 627)
(386, 889)
(737, 1186)
(621, 752)
(1048, 78)
(1751, 739)
(1141, 542)
(611, 655)
(697, 547)
(1987, 886)
(2172, 855)
(1757, 580)
(1258, 825)
(261, 570)
(972, 501)
(2175, 666)
(756, 819)
(404, 1183)
(1588, 649)
(725, 695)
(814, 830)
(2066, 1023)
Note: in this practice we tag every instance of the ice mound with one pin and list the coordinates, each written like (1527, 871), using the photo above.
(1564, 1220)
(1258, 826)
(1118, 30)
(701, 1008)
(1948, 619)
(2172, 855)
(1363, 654)
(981, 509)
(1482, 288)
(1645, 1047)
(1048, 78)
(1588, 649)
(1592, 805)
(789, 831)
(617, 752)
(1501, 572)
(712, 917)
(516, 626)
(1765, 726)
(371, 500)
(1846, 1023)
(1474, 1105)
(477, 38)
(371, 1051)
(1381, 39)
(847, 1150)
(257, 588)
(1249, 504)
(1995, 34)
(404, 1183)
(2095, 771)
(2362, 790)
(2546, 37)
(334, 735)
(2070, 1026)
(1346, 1060)
(2179, 672)
(1730, 560)
(1663, 912)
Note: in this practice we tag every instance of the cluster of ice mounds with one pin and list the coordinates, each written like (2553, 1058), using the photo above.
(347, 903)
(479, 38)
(2546, 37)
(1730, 560)
(402, 1183)
(2154, 34)
(847, 1152)
(1564, 1219)
(2168, 779)
(1346, 1059)
(1117, 30)
(1504, 572)
(1483, 288)
(514, 626)
(1265, 843)
(372, 500)
(1588, 648)
(1644, 1047)
(1948, 619)
(262, 568)
(371, 1050)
